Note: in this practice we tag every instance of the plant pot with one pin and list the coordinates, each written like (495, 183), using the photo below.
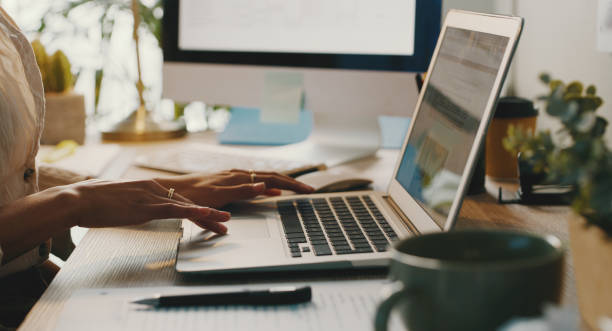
(64, 118)
(592, 252)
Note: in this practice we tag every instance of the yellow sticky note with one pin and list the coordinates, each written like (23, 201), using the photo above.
(282, 97)
(62, 150)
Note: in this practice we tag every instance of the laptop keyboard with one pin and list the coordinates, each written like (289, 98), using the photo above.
(336, 225)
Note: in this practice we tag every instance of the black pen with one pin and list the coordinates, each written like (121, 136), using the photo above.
(273, 296)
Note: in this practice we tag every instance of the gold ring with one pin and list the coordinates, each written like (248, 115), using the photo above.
(252, 175)
(170, 193)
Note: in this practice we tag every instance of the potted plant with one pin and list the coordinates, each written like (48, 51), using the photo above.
(65, 110)
(577, 156)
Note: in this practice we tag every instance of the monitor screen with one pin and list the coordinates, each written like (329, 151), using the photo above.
(445, 126)
(389, 35)
(383, 27)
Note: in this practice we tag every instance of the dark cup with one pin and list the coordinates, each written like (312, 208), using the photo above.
(471, 280)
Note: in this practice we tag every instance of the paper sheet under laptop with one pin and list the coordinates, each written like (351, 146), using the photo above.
(345, 305)
(89, 160)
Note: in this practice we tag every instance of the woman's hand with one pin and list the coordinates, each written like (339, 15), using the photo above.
(220, 189)
(104, 203)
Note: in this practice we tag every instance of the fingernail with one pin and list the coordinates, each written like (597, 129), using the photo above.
(222, 229)
(259, 186)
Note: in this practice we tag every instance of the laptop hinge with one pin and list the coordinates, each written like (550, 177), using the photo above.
(401, 215)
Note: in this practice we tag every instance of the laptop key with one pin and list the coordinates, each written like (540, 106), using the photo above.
(296, 254)
(321, 250)
(296, 240)
(361, 244)
(381, 248)
(295, 235)
(364, 250)
(380, 241)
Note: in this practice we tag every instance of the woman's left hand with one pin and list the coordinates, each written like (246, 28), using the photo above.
(222, 188)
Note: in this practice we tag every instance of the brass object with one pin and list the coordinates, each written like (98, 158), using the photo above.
(141, 125)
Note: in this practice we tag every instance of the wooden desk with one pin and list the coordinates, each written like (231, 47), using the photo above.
(144, 255)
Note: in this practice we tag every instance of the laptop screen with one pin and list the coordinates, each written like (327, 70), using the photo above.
(445, 127)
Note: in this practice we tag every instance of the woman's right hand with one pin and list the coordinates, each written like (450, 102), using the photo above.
(101, 203)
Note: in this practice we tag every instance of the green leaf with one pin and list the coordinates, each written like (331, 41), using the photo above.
(591, 90)
(574, 87)
(599, 128)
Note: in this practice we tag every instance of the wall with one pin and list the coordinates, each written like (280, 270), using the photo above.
(472, 5)
(560, 38)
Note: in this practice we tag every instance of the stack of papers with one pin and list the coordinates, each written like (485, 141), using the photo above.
(343, 305)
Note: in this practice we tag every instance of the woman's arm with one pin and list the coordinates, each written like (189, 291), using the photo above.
(48, 177)
(27, 222)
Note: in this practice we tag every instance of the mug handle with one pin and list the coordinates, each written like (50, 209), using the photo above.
(397, 292)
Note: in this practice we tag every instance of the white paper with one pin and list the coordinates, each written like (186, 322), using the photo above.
(89, 160)
(604, 26)
(343, 305)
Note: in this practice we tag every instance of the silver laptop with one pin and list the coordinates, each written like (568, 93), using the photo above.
(354, 230)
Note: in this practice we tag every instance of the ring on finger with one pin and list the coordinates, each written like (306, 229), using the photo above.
(170, 193)
(252, 173)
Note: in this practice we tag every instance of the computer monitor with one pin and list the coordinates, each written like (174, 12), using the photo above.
(356, 56)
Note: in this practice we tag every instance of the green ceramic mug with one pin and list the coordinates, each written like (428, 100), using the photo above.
(471, 280)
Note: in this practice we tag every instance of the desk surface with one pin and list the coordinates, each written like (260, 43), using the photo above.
(145, 255)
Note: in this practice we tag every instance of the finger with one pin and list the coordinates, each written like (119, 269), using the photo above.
(272, 180)
(240, 192)
(273, 192)
(209, 218)
(179, 198)
(162, 191)
(204, 217)
(259, 173)
(284, 183)
(176, 198)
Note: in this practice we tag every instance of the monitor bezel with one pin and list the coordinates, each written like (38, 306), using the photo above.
(427, 26)
(507, 26)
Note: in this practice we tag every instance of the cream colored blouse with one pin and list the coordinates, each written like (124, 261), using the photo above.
(21, 117)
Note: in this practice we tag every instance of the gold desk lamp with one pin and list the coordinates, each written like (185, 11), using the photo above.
(141, 125)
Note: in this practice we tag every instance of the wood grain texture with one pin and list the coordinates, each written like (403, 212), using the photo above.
(145, 255)
(114, 257)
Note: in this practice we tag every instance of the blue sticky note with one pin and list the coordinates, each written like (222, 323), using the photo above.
(245, 128)
(393, 130)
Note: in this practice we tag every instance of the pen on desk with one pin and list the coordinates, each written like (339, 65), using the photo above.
(273, 296)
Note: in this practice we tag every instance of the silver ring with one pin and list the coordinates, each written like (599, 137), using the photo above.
(170, 193)
(252, 175)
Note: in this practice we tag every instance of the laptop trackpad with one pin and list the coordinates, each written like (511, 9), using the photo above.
(247, 227)
(238, 228)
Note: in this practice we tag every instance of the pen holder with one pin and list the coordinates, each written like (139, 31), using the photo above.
(502, 164)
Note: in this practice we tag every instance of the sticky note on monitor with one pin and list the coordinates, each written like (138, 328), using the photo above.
(282, 97)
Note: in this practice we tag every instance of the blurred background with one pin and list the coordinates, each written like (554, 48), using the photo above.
(96, 36)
